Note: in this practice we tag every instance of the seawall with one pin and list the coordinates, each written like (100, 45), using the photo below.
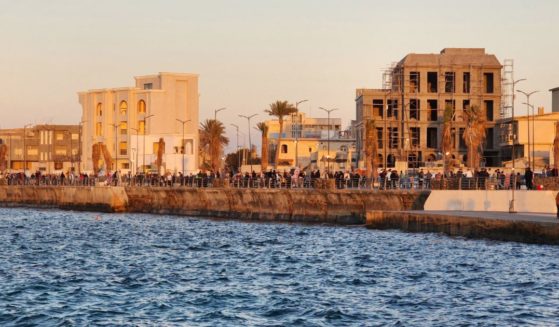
(290, 205)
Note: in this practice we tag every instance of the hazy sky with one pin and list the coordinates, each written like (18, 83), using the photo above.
(253, 52)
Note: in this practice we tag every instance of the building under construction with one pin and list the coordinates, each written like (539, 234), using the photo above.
(408, 111)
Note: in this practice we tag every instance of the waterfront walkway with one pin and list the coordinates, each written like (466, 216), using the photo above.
(520, 216)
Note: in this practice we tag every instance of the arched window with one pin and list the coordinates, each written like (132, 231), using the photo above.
(343, 148)
(141, 107)
(123, 107)
(284, 148)
(99, 110)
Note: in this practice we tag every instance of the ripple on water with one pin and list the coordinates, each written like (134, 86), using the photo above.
(70, 268)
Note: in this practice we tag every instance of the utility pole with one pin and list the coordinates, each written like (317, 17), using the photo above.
(182, 141)
(216, 111)
(237, 152)
(297, 131)
(328, 111)
(513, 154)
(249, 139)
(137, 148)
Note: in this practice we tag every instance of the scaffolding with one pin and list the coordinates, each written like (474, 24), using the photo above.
(507, 80)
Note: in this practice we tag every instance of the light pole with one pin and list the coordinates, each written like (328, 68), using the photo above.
(137, 147)
(533, 129)
(237, 152)
(513, 155)
(249, 139)
(328, 111)
(116, 146)
(80, 145)
(297, 131)
(25, 150)
(528, 94)
(144, 141)
(182, 141)
(216, 111)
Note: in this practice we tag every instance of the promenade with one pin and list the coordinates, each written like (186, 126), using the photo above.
(531, 217)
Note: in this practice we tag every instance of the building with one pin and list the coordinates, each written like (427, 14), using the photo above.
(44, 148)
(555, 99)
(126, 127)
(408, 111)
(309, 142)
(534, 141)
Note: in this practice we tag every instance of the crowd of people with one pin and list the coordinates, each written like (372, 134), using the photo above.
(293, 178)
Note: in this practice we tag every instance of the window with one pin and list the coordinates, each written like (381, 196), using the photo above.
(99, 129)
(489, 138)
(461, 141)
(60, 151)
(451, 104)
(466, 83)
(99, 109)
(433, 110)
(284, 148)
(432, 137)
(377, 107)
(392, 108)
(393, 131)
(141, 107)
(58, 165)
(414, 82)
(123, 128)
(75, 136)
(141, 127)
(488, 82)
(32, 151)
(415, 137)
(123, 147)
(465, 104)
(125, 165)
(488, 109)
(123, 107)
(432, 82)
(414, 109)
(148, 86)
(59, 136)
(449, 82)
(380, 138)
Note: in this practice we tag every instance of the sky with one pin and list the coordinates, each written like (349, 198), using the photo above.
(250, 53)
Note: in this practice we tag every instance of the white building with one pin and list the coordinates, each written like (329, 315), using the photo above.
(130, 121)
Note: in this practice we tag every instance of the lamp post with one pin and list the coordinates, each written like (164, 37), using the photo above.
(116, 146)
(182, 141)
(216, 111)
(25, 150)
(249, 139)
(528, 94)
(80, 147)
(533, 129)
(513, 154)
(137, 147)
(328, 111)
(237, 152)
(297, 131)
(144, 141)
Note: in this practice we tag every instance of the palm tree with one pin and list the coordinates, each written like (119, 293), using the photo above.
(280, 109)
(263, 128)
(474, 134)
(371, 148)
(212, 138)
(446, 145)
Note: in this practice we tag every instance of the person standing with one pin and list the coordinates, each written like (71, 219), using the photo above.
(529, 177)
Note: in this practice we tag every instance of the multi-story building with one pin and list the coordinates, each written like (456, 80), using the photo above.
(131, 125)
(44, 148)
(408, 111)
(309, 142)
(554, 99)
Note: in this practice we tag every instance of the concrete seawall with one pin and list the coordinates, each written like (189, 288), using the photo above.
(293, 205)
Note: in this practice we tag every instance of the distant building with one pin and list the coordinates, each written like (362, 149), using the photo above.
(44, 148)
(555, 99)
(129, 123)
(408, 112)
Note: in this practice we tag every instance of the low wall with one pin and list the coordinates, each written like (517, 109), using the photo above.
(490, 200)
(477, 228)
(293, 205)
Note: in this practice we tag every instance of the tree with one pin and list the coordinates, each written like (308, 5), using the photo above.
(474, 134)
(263, 128)
(280, 109)
(212, 139)
(371, 148)
(446, 145)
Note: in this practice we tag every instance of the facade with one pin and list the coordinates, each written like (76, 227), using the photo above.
(534, 141)
(125, 128)
(45, 148)
(304, 141)
(408, 111)
(555, 99)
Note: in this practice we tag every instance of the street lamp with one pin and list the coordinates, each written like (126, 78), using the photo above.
(116, 146)
(183, 142)
(80, 145)
(528, 94)
(144, 141)
(533, 138)
(25, 150)
(513, 155)
(328, 111)
(237, 153)
(216, 111)
(249, 139)
(297, 131)
(137, 147)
